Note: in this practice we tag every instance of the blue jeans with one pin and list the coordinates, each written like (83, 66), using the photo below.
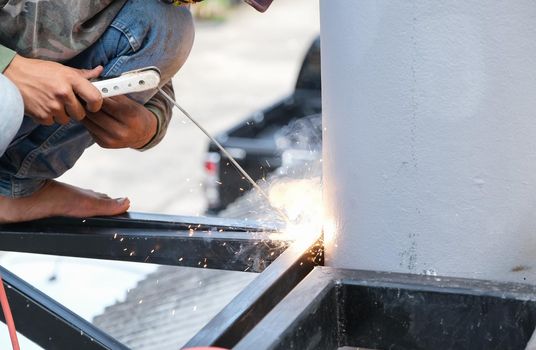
(144, 33)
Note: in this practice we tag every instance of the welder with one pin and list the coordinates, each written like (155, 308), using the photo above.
(49, 110)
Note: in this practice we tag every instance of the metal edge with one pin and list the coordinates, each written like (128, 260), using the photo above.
(31, 309)
(147, 220)
(531, 345)
(247, 309)
(322, 279)
(238, 251)
(308, 293)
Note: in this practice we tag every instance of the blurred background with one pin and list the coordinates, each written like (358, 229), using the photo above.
(241, 62)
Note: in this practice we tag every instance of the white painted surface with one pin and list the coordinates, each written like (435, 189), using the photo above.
(430, 136)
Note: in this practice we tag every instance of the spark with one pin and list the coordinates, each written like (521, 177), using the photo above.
(132, 253)
(141, 301)
(115, 235)
(122, 238)
(181, 259)
(219, 182)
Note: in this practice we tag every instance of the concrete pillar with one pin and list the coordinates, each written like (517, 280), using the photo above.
(430, 136)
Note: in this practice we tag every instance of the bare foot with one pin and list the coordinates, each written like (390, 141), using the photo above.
(59, 199)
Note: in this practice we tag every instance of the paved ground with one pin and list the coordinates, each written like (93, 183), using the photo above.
(234, 68)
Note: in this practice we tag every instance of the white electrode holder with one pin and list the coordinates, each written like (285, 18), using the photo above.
(129, 82)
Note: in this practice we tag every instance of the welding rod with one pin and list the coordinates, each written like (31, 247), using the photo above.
(224, 151)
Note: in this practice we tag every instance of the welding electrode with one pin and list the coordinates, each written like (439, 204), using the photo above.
(224, 151)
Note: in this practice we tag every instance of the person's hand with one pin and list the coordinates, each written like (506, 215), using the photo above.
(121, 123)
(50, 90)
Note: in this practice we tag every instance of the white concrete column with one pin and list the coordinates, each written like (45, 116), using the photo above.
(430, 136)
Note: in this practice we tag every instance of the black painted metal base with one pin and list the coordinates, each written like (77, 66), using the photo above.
(332, 308)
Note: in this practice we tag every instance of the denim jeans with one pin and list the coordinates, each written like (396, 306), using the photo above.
(11, 112)
(144, 33)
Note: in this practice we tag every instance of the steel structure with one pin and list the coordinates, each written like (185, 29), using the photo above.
(335, 308)
(169, 240)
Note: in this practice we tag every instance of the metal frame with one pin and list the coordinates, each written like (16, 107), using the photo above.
(50, 324)
(251, 305)
(332, 308)
(169, 240)
(179, 241)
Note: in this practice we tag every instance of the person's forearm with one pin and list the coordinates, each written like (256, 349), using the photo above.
(6, 56)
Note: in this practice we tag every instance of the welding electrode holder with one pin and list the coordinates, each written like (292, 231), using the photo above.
(133, 81)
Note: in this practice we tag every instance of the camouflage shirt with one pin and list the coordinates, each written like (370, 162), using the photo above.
(58, 30)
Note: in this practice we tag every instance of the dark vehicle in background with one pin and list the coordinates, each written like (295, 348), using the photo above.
(255, 142)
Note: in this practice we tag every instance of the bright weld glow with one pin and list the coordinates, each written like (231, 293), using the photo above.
(301, 200)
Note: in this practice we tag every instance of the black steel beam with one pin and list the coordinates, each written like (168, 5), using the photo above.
(211, 243)
(48, 323)
(250, 306)
(332, 308)
(154, 221)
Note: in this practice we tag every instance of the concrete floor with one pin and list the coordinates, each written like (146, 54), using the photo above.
(235, 67)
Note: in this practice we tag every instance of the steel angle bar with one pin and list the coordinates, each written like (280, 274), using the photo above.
(155, 221)
(228, 250)
(247, 309)
(50, 324)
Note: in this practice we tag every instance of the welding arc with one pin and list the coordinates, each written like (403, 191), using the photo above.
(224, 151)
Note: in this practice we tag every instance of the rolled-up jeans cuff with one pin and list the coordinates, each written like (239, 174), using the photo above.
(18, 188)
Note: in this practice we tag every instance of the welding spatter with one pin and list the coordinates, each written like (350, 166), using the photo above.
(224, 151)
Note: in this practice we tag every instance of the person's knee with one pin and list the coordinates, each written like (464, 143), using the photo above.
(11, 112)
(172, 35)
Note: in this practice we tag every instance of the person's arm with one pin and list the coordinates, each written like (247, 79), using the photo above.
(162, 110)
(6, 56)
(51, 91)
